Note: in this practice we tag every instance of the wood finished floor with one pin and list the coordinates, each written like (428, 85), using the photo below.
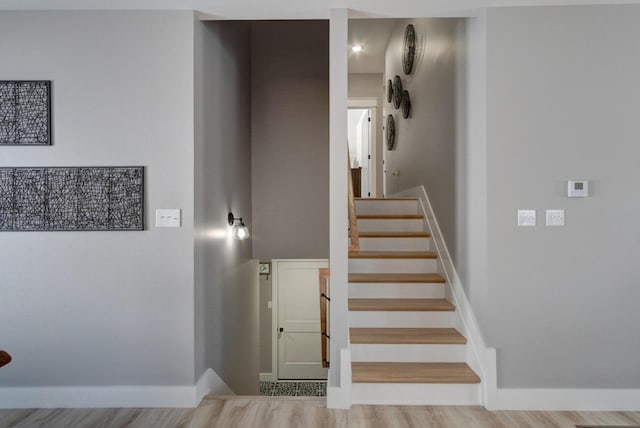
(267, 412)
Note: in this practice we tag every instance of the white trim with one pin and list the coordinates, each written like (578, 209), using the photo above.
(49, 397)
(267, 377)
(601, 400)
(480, 357)
(339, 397)
(362, 102)
(97, 397)
(211, 384)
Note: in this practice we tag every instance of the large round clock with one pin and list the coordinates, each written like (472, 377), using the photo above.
(390, 132)
(409, 49)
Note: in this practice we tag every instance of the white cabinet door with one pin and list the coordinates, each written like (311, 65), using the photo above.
(298, 327)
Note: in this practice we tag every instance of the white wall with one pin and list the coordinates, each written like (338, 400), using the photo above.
(563, 102)
(425, 150)
(227, 293)
(290, 139)
(104, 308)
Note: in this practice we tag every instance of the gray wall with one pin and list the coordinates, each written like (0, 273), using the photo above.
(370, 85)
(425, 151)
(290, 139)
(104, 308)
(226, 287)
(563, 102)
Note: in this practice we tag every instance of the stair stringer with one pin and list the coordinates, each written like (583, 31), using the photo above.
(479, 357)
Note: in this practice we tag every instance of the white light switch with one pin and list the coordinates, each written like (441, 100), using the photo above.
(555, 217)
(168, 218)
(526, 218)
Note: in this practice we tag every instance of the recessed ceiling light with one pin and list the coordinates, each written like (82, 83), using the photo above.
(356, 48)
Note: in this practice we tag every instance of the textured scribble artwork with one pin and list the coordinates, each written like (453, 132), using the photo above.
(25, 112)
(73, 198)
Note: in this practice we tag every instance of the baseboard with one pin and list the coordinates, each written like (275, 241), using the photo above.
(211, 384)
(602, 400)
(267, 377)
(339, 396)
(97, 397)
(113, 396)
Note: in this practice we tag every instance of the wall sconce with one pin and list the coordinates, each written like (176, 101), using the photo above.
(240, 231)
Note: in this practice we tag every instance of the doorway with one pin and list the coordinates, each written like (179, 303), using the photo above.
(361, 124)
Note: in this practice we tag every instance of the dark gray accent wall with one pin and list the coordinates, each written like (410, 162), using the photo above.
(290, 139)
(226, 277)
(563, 103)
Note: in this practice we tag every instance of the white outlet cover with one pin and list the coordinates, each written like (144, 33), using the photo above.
(555, 217)
(526, 218)
(168, 218)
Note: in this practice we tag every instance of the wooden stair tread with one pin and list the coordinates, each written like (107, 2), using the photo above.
(389, 216)
(395, 305)
(392, 255)
(386, 199)
(367, 372)
(430, 336)
(394, 235)
(381, 278)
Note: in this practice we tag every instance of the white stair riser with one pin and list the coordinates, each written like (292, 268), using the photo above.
(424, 319)
(386, 207)
(391, 225)
(412, 353)
(392, 265)
(434, 394)
(395, 244)
(398, 291)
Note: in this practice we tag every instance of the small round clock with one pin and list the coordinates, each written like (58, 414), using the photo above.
(390, 132)
(405, 104)
(397, 91)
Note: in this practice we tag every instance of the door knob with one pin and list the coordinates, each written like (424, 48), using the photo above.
(281, 329)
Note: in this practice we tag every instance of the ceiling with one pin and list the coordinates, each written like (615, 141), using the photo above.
(373, 35)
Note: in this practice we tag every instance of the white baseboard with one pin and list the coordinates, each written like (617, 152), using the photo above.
(569, 399)
(211, 384)
(113, 396)
(267, 377)
(97, 397)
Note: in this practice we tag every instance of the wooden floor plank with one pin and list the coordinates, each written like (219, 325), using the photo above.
(395, 305)
(394, 278)
(392, 255)
(277, 412)
(367, 372)
(440, 336)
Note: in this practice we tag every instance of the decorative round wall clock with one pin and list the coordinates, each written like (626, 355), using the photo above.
(409, 49)
(390, 132)
(389, 90)
(405, 104)
(397, 91)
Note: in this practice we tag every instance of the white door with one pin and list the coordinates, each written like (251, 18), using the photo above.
(298, 316)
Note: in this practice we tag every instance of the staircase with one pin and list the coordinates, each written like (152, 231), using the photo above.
(406, 345)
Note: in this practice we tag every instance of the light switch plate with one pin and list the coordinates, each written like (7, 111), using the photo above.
(526, 218)
(168, 218)
(555, 217)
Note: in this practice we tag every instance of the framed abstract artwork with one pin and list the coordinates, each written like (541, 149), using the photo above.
(72, 198)
(25, 112)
